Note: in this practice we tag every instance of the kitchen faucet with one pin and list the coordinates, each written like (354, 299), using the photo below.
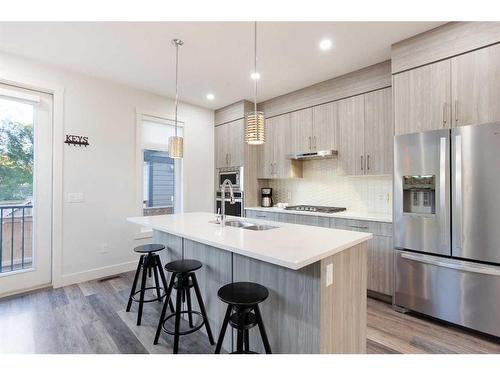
(226, 182)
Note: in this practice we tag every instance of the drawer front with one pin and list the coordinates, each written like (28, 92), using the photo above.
(375, 227)
(460, 292)
(261, 215)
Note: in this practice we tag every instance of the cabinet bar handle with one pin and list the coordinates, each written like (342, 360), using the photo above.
(361, 162)
(315, 142)
(310, 147)
(444, 115)
(367, 162)
(357, 227)
(456, 112)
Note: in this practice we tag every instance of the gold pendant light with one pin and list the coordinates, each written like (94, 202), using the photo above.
(176, 143)
(254, 120)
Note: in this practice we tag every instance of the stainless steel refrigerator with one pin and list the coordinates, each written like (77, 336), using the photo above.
(447, 225)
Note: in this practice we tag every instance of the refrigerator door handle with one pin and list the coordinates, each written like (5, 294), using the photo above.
(442, 189)
(452, 265)
(458, 192)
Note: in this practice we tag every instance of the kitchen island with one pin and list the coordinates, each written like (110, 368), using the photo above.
(316, 277)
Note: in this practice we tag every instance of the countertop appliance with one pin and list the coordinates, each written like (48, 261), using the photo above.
(446, 225)
(321, 209)
(266, 197)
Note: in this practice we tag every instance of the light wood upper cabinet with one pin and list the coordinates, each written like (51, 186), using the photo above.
(476, 87)
(236, 143)
(325, 127)
(301, 126)
(229, 150)
(422, 98)
(351, 128)
(273, 161)
(379, 132)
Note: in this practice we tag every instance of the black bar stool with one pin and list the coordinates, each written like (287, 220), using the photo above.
(149, 261)
(183, 279)
(242, 298)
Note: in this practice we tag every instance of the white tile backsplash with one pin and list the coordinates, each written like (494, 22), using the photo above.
(322, 186)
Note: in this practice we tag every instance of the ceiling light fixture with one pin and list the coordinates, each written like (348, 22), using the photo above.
(176, 143)
(210, 96)
(325, 44)
(254, 129)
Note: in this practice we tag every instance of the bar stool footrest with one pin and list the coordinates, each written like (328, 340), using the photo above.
(163, 294)
(186, 332)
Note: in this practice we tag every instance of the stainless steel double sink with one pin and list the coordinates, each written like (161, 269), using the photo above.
(248, 225)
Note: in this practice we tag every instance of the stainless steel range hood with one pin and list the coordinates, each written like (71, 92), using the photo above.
(324, 154)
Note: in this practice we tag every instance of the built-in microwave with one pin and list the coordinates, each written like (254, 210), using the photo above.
(233, 174)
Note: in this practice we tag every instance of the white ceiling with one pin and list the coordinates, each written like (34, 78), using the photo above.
(217, 57)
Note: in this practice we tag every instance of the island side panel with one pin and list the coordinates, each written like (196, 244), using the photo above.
(343, 303)
(291, 313)
(173, 247)
(215, 273)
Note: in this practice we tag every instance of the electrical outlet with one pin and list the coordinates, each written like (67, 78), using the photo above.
(329, 274)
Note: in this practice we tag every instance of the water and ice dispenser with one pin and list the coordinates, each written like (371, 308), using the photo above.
(419, 194)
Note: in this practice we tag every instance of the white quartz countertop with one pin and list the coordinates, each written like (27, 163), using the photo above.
(289, 245)
(348, 214)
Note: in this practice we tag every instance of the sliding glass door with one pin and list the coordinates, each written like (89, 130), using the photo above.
(25, 189)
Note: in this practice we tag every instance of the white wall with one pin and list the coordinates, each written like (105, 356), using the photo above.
(96, 239)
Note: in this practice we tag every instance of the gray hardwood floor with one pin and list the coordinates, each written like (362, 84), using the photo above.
(90, 318)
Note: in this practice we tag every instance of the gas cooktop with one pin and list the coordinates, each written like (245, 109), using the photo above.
(322, 209)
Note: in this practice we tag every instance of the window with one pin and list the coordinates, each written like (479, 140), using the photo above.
(161, 175)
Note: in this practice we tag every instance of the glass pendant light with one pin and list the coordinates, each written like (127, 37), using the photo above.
(254, 120)
(176, 143)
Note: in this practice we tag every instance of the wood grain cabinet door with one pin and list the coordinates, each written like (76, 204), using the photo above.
(221, 146)
(236, 143)
(422, 98)
(351, 144)
(266, 151)
(301, 131)
(325, 127)
(380, 265)
(379, 132)
(281, 146)
(476, 86)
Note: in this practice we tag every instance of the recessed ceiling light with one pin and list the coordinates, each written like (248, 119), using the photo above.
(255, 76)
(210, 96)
(325, 44)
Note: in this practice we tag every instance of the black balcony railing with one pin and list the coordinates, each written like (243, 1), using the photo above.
(15, 252)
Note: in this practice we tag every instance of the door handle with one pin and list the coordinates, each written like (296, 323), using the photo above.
(455, 266)
(442, 188)
(444, 115)
(458, 191)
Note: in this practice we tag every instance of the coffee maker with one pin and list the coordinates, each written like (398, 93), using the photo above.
(266, 197)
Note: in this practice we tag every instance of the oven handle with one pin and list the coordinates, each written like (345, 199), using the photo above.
(459, 267)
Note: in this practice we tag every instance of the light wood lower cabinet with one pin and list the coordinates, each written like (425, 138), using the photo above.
(380, 250)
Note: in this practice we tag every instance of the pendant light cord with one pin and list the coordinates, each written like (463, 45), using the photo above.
(176, 83)
(255, 67)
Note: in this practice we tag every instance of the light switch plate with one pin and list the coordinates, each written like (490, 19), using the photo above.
(329, 274)
(75, 197)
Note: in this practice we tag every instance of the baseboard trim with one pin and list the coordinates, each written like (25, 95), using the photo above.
(96, 273)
